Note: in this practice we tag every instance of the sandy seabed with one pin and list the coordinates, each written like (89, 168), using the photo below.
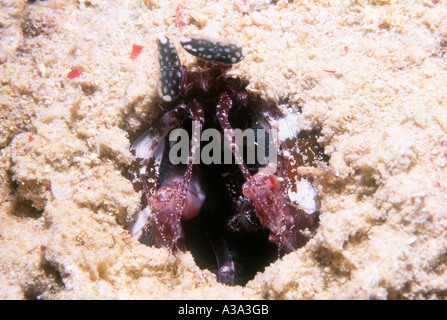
(371, 75)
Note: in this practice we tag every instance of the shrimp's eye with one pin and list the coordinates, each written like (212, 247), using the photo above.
(170, 80)
(214, 50)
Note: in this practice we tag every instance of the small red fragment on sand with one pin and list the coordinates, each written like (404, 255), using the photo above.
(31, 138)
(74, 73)
(136, 50)
(346, 49)
(329, 71)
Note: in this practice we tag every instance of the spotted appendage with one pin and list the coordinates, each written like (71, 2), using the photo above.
(170, 80)
(214, 50)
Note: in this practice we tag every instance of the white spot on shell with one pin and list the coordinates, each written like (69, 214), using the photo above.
(167, 98)
(305, 197)
(163, 39)
(185, 39)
